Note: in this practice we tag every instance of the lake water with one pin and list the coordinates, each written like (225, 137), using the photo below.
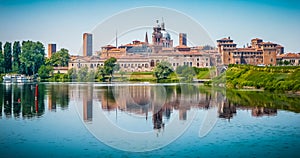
(145, 120)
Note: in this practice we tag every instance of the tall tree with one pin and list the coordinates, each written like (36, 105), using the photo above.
(7, 57)
(16, 59)
(60, 58)
(109, 66)
(32, 57)
(163, 70)
(1, 59)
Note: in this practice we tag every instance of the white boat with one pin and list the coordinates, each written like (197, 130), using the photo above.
(21, 79)
(7, 78)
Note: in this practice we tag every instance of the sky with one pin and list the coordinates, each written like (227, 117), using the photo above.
(64, 21)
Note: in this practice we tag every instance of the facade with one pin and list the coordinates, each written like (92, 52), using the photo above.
(87, 44)
(289, 58)
(51, 49)
(259, 53)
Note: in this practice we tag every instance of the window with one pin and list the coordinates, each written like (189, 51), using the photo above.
(271, 59)
(197, 64)
(191, 63)
(152, 63)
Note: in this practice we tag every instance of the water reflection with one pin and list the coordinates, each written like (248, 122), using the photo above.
(28, 100)
(154, 102)
(57, 95)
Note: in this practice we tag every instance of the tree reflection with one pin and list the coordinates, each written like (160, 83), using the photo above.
(58, 96)
(20, 100)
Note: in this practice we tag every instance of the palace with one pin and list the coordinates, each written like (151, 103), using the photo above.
(259, 53)
(143, 56)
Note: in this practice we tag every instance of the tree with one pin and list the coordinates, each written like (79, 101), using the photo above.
(1, 59)
(16, 59)
(188, 73)
(286, 62)
(110, 66)
(179, 69)
(32, 57)
(7, 57)
(60, 58)
(162, 70)
(101, 73)
(82, 74)
(72, 74)
(45, 71)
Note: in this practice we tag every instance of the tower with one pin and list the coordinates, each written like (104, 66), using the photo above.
(87, 44)
(51, 49)
(146, 38)
(182, 39)
(226, 48)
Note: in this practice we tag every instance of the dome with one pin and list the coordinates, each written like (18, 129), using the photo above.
(165, 34)
(158, 35)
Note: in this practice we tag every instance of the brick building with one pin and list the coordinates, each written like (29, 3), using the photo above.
(258, 53)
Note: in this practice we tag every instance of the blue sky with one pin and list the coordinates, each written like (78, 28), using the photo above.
(63, 22)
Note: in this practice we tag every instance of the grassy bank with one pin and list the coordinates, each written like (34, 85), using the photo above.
(283, 78)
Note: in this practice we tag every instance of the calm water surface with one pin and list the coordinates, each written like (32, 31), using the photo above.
(145, 120)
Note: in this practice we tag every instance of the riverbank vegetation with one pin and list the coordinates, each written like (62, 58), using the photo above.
(273, 78)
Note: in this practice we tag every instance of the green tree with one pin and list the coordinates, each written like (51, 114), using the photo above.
(45, 71)
(286, 62)
(72, 74)
(1, 59)
(60, 58)
(7, 57)
(110, 66)
(32, 57)
(188, 73)
(179, 69)
(101, 73)
(162, 70)
(82, 74)
(16, 59)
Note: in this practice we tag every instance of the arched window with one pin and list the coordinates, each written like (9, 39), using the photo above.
(152, 63)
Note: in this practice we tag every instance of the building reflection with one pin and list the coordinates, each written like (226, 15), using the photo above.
(226, 109)
(263, 111)
(155, 103)
(159, 101)
(58, 96)
(87, 98)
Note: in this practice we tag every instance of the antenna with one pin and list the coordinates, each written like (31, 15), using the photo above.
(117, 38)
(162, 23)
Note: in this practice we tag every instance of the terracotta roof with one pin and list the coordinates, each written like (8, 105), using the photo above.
(267, 43)
(182, 46)
(255, 39)
(109, 46)
(289, 55)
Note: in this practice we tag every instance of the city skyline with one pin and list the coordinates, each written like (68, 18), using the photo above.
(63, 23)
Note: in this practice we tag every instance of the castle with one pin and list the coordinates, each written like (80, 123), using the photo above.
(258, 53)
